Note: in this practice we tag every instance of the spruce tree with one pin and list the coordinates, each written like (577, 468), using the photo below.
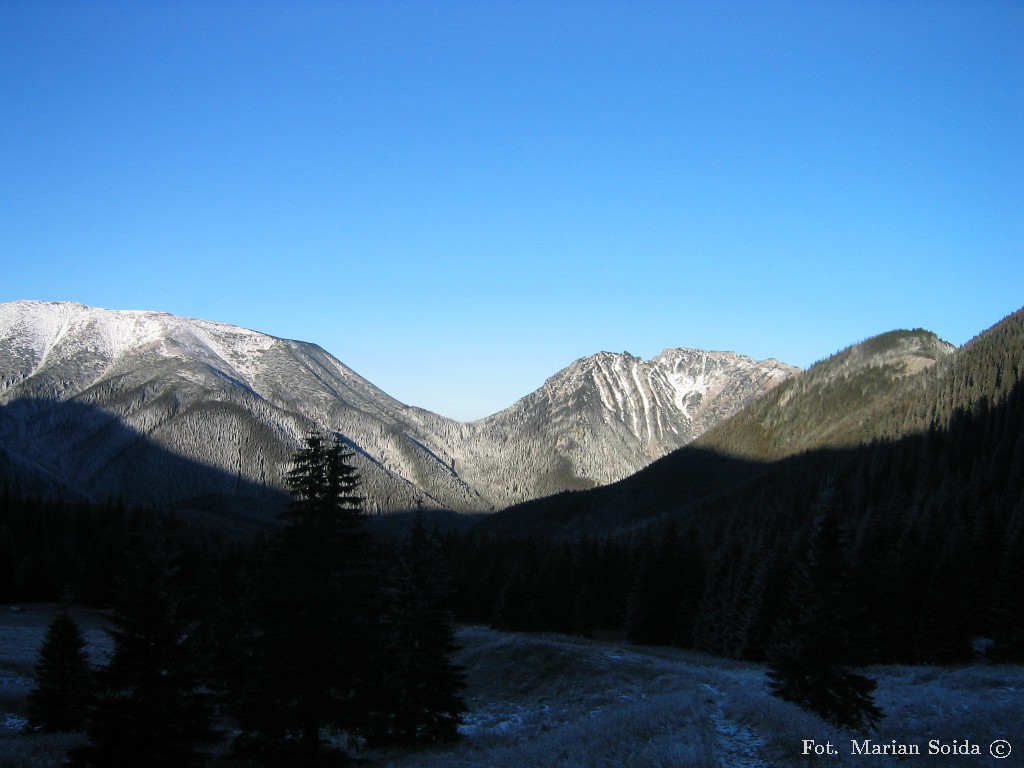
(515, 609)
(814, 644)
(64, 679)
(150, 709)
(314, 642)
(421, 680)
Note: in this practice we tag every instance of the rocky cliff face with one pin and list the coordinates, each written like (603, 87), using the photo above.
(162, 408)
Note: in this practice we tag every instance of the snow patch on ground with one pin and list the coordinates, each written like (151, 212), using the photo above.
(13, 723)
(493, 718)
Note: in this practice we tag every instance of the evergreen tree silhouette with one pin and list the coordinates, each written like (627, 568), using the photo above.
(318, 628)
(808, 664)
(149, 709)
(64, 679)
(422, 683)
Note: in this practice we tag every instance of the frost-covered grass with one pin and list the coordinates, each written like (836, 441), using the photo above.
(556, 702)
(550, 701)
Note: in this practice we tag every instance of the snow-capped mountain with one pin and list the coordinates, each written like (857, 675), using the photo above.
(156, 407)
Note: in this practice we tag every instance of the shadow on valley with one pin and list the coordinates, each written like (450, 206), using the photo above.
(78, 490)
(78, 452)
(689, 474)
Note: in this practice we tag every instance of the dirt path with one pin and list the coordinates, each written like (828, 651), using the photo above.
(738, 745)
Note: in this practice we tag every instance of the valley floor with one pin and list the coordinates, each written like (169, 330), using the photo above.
(551, 701)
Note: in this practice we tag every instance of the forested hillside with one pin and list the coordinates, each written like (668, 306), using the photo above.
(847, 399)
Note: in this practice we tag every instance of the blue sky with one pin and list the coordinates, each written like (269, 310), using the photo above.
(457, 199)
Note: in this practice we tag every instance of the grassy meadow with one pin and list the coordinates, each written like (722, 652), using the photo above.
(554, 701)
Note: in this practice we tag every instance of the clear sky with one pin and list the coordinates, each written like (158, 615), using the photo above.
(457, 199)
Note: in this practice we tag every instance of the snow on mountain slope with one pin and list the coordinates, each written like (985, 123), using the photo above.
(607, 416)
(155, 406)
(226, 398)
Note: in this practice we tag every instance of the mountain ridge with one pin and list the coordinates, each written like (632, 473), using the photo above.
(238, 400)
(849, 387)
(765, 443)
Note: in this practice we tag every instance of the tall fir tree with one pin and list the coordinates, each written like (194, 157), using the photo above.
(64, 680)
(815, 643)
(318, 628)
(421, 681)
(150, 709)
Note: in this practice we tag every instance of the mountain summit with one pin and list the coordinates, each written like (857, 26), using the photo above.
(160, 408)
(608, 415)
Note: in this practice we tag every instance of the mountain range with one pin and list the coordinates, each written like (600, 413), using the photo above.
(194, 414)
(894, 388)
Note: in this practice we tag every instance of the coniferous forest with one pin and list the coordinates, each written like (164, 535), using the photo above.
(265, 650)
(293, 643)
